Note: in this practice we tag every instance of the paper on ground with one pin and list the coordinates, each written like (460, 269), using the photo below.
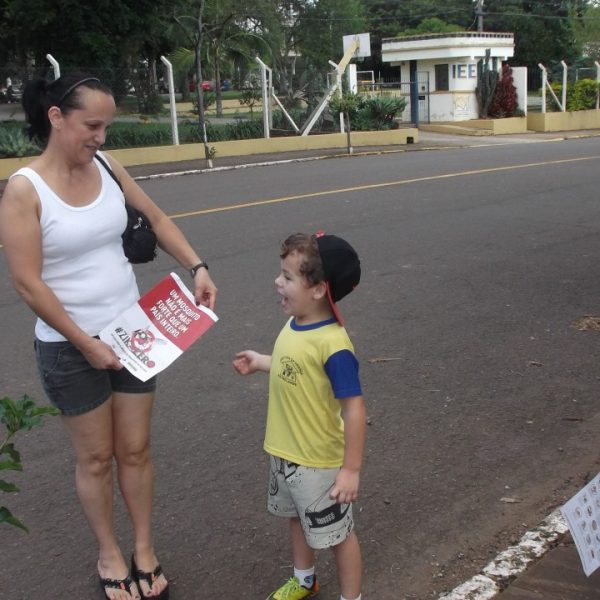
(582, 513)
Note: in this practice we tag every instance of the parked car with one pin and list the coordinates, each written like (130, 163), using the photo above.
(14, 93)
(209, 86)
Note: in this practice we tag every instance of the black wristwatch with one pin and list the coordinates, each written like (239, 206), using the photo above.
(195, 268)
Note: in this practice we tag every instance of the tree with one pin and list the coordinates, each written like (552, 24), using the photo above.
(192, 25)
(103, 37)
(431, 25)
(505, 103)
(587, 32)
(321, 27)
(386, 18)
(303, 36)
(544, 29)
(346, 104)
(230, 33)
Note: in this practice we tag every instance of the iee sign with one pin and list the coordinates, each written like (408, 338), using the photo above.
(464, 71)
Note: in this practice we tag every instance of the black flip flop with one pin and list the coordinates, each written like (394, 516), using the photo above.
(149, 578)
(117, 584)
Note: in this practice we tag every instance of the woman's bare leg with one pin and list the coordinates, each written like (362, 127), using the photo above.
(92, 438)
(131, 418)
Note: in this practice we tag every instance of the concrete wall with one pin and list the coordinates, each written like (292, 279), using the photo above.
(520, 81)
(501, 126)
(459, 102)
(159, 154)
(452, 106)
(479, 126)
(564, 121)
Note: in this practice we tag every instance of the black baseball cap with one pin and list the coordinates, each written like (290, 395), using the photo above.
(341, 267)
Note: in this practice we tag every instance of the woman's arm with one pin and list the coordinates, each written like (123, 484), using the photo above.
(20, 233)
(170, 237)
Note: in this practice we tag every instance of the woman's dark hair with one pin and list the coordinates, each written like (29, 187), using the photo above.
(39, 95)
(311, 267)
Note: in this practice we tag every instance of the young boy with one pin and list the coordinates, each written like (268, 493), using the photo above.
(316, 417)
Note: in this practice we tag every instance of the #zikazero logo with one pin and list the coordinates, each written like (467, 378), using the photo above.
(141, 341)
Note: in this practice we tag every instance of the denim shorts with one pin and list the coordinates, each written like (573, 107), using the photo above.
(74, 386)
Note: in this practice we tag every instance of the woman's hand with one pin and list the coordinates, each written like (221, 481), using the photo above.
(205, 291)
(100, 355)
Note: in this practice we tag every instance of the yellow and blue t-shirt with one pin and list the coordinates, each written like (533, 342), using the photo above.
(312, 368)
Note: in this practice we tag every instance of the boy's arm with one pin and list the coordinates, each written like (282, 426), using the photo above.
(249, 361)
(347, 481)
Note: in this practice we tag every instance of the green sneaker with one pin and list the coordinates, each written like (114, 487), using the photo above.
(292, 590)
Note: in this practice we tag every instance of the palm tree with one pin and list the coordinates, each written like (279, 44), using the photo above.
(227, 35)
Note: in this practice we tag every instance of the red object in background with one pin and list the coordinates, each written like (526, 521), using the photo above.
(206, 86)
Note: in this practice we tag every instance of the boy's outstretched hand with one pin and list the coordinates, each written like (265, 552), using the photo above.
(249, 361)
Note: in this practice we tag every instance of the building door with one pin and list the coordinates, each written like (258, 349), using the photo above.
(423, 94)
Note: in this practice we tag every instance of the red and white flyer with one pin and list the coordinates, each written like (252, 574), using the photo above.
(158, 328)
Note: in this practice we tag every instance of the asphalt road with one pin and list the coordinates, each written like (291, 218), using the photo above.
(482, 394)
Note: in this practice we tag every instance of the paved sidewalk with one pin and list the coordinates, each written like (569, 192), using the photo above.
(558, 575)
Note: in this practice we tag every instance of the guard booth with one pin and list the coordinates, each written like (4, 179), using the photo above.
(442, 70)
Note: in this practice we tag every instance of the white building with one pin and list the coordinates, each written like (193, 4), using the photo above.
(444, 65)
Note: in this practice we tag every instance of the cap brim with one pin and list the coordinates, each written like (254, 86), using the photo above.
(334, 306)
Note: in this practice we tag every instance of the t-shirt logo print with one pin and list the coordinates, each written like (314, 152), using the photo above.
(289, 370)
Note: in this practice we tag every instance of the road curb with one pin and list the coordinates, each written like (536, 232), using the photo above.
(270, 163)
(512, 562)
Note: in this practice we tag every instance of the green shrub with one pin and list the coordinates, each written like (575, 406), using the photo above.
(138, 135)
(21, 415)
(346, 103)
(505, 102)
(14, 143)
(151, 104)
(299, 116)
(379, 112)
(208, 99)
(250, 96)
(582, 95)
(244, 130)
(551, 104)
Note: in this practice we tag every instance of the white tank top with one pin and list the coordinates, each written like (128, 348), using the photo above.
(83, 259)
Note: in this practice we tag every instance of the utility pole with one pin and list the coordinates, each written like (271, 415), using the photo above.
(479, 15)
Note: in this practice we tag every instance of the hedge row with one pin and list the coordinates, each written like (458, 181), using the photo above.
(14, 141)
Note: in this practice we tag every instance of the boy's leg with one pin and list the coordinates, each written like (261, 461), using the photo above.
(304, 555)
(349, 565)
(281, 503)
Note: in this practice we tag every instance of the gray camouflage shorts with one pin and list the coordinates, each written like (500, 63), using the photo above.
(303, 492)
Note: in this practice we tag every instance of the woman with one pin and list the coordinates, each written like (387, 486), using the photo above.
(61, 221)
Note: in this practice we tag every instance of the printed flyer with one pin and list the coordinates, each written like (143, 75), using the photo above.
(158, 328)
(582, 513)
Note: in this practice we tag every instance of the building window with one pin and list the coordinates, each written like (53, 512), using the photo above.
(441, 78)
